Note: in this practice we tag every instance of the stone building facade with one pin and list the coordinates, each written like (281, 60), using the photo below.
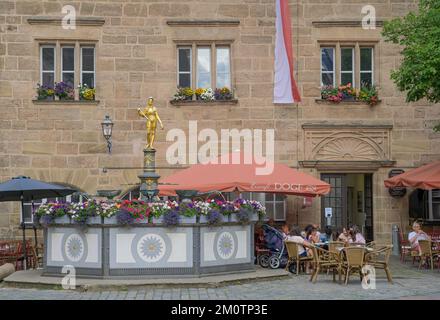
(136, 56)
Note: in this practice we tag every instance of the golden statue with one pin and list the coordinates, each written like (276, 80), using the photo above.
(150, 113)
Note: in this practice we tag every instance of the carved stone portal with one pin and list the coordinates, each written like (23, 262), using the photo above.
(339, 143)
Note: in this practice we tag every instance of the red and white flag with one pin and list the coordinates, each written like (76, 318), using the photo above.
(285, 89)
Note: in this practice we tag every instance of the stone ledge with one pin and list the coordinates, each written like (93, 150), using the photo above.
(203, 23)
(71, 102)
(353, 102)
(203, 103)
(85, 21)
(347, 23)
(354, 166)
(333, 125)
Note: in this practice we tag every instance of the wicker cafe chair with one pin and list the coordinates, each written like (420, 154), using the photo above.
(379, 259)
(426, 253)
(405, 247)
(324, 259)
(293, 254)
(334, 245)
(354, 261)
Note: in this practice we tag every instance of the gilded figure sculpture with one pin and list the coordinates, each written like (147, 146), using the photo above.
(150, 113)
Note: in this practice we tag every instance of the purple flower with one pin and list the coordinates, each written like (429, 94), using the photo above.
(214, 217)
(172, 217)
(243, 215)
(46, 220)
(124, 217)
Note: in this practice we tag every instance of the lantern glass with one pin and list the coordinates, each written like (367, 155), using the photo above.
(107, 127)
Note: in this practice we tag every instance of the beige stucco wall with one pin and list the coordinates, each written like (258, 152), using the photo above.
(136, 58)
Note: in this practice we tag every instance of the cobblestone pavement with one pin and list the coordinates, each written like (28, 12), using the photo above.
(409, 283)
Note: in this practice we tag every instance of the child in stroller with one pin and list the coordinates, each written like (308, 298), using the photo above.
(275, 253)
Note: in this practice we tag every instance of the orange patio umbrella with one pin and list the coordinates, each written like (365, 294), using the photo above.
(225, 176)
(426, 177)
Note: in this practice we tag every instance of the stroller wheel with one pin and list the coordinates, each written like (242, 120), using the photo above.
(274, 262)
(263, 260)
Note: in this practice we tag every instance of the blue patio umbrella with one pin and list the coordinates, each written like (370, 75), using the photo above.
(23, 189)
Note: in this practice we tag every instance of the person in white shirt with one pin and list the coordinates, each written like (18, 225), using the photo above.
(416, 235)
(295, 236)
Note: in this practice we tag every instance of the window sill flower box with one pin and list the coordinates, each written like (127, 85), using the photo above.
(94, 220)
(62, 220)
(345, 102)
(158, 220)
(188, 220)
(111, 220)
(75, 102)
(203, 103)
(350, 95)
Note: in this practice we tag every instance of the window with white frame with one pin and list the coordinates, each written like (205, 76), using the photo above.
(209, 68)
(327, 67)
(73, 63)
(68, 65)
(88, 66)
(347, 67)
(347, 63)
(367, 64)
(47, 65)
(275, 204)
(184, 66)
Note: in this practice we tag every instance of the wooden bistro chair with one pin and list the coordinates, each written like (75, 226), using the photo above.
(426, 253)
(354, 261)
(325, 260)
(379, 259)
(293, 256)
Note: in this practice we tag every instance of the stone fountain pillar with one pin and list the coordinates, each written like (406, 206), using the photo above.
(149, 177)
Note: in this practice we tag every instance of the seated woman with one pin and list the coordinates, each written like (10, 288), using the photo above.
(312, 235)
(356, 235)
(343, 235)
(416, 235)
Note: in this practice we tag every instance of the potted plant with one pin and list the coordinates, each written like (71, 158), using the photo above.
(171, 218)
(45, 92)
(198, 92)
(124, 218)
(86, 93)
(61, 212)
(183, 94)
(107, 211)
(188, 213)
(223, 94)
(214, 217)
(63, 91)
(228, 209)
(369, 95)
(93, 213)
(332, 94)
(348, 93)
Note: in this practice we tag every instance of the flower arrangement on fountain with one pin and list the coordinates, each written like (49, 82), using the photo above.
(367, 94)
(129, 212)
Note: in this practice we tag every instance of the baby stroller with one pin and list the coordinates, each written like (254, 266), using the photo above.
(276, 256)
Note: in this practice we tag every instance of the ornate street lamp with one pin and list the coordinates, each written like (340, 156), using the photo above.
(107, 128)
